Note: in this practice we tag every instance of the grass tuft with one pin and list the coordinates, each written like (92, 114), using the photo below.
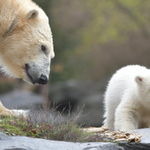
(48, 125)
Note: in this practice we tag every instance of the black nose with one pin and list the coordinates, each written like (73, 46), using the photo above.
(43, 79)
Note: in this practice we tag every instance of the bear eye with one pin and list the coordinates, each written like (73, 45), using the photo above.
(43, 48)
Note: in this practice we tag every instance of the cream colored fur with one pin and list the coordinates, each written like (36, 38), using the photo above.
(14, 112)
(21, 44)
(24, 28)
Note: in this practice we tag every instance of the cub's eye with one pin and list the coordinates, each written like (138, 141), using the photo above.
(43, 48)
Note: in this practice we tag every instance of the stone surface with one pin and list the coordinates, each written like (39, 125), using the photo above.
(19, 99)
(26, 143)
(79, 94)
(143, 145)
(92, 111)
(145, 134)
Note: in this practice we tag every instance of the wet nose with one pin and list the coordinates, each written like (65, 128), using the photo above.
(43, 79)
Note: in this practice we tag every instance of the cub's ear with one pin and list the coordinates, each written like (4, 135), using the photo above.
(139, 79)
(32, 14)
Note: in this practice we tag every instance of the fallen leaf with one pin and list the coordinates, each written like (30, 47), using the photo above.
(43, 126)
(117, 136)
(33, 131)
(25, 129)
(120, 140)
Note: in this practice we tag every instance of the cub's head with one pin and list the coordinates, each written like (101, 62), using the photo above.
(27, 45)
(143, 83)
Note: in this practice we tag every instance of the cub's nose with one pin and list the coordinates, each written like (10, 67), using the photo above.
(43, 79)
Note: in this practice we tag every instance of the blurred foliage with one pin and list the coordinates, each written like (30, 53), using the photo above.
(94, 38)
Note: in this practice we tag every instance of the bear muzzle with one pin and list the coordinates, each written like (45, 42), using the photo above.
(34, 75)
(43, 79)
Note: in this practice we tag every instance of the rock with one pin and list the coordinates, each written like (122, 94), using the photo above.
(27, 143)
(144, 144)
(135, 140)
(145, 134)
(92, 111)
(18, 99)
(67, 92)
(77, 94)
(23, 100)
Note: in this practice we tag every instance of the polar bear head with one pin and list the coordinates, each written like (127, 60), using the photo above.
(26, 46)
(143, 83)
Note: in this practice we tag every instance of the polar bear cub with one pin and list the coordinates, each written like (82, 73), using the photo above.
(127, 99)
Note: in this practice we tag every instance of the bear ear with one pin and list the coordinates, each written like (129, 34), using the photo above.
(139, 79)
(32, 14)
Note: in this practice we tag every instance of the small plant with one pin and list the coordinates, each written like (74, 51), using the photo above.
(47, 125)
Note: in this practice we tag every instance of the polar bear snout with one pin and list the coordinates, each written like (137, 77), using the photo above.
(36, 74)
(43, 79)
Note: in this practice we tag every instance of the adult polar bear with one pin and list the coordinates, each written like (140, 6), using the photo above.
(127, 99)
(26, 45)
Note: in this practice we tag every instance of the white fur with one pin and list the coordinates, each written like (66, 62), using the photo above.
(127, 99)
